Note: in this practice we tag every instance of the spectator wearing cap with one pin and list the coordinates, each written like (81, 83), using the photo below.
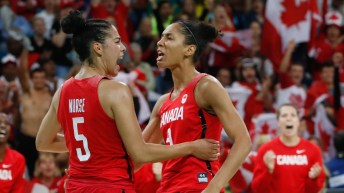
(10, 81)
(323, 48)
(259, 97)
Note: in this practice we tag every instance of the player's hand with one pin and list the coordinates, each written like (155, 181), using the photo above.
(314, 171)
(206, 149)
(269, 160)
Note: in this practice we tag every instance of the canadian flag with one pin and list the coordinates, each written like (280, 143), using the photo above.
(265, 123)
(324, 128)
(287, 20)
(239, 95)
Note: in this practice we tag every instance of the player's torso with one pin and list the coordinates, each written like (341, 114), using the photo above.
(181, 120)
(96, 149)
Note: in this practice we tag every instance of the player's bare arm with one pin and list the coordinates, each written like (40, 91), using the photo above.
(152, 133)
(47, 137)
(118, 104)
(211, 95)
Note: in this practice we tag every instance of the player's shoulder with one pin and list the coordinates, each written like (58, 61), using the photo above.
(207, 84)
(273, 144)
(309, 145)
(113, 86)
(14, 155)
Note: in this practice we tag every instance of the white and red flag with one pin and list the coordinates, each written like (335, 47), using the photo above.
(287, 20)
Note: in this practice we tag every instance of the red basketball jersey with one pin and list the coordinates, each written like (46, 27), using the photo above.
(95, 146)
(182, 120)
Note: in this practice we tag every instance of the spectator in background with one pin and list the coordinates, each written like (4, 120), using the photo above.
(321, 93)
(290, 76)
(62, 42)
(225, 51)
(11, 20)
(256, 31)
(9, 70)
(147, 41)
(40, 44)
(260, 96)
(48, 15)
(12, 163)
(322, 49)
(163, 16)
(288, 162)
(26, 8)
(336, 165)
(224, 77)
(36, 95)
(53, 81)
(149, 82)
(46, 171)
(114, 11)
(188, 8)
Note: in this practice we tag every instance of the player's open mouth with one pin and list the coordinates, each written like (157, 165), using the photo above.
(289, 126)
(160, 56)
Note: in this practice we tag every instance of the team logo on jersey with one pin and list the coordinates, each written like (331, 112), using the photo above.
(185, 97)
(292, 160)
(5, 174)
(202, 177)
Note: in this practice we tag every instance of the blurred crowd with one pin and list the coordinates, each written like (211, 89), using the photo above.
(261, 59)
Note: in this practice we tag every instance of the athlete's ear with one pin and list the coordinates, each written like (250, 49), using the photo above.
(190, 50)
(97, 48)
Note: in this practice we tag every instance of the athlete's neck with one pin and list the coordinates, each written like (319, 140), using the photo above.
(182, 77)
(87, 71)
(2, 151)
(290, 141)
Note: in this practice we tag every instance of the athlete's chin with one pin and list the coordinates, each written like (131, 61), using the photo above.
(161, 64)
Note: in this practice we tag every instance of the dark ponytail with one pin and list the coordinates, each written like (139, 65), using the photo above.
(85, 32)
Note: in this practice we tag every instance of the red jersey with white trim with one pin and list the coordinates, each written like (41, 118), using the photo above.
(292, 165)
(181, 120)
(12, 172)
(95, 146)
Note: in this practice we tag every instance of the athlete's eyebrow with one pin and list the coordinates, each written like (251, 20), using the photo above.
(166, 34)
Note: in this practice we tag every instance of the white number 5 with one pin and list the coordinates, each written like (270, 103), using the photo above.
(81, 137)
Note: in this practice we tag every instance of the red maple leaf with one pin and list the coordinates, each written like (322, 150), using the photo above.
(265, 128)
(293, 14)
(235, 102)
(296, 99)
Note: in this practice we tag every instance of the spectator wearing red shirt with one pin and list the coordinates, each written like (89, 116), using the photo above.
(288, 162)
(12, 163)
(318, 88)
(46, 171)
(116, 12)
(323, 49)
(255, 103)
